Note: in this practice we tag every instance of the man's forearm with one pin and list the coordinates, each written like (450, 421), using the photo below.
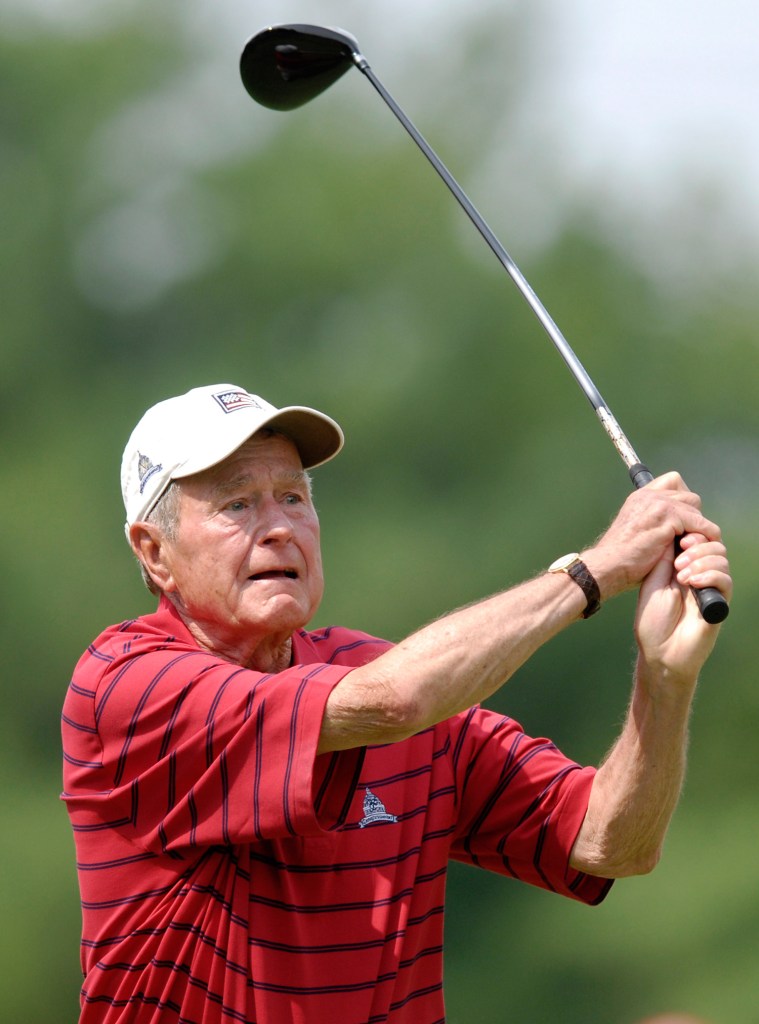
(636, 789)
(448, 666)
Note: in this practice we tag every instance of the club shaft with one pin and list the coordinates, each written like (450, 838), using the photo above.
(608, 421)
(712, 604)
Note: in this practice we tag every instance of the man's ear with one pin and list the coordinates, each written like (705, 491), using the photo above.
(152, 552)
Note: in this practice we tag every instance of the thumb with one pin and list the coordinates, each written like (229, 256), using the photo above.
(660, 602)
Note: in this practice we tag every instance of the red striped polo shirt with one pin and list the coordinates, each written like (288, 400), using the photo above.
(229, 874)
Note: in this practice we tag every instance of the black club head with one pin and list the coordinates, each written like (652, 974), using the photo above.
(285, 66)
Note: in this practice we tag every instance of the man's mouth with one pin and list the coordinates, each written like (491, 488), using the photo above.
(275, 574)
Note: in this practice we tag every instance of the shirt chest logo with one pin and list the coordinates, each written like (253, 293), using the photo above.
(375, 811)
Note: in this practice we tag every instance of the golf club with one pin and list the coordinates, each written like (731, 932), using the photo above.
(285, 66)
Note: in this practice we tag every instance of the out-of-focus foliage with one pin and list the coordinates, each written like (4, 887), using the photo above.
(160, 232)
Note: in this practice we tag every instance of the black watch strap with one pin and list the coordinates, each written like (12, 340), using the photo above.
(585, 579)
(574, 566)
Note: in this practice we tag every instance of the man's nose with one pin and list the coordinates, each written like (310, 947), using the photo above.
(273, 521)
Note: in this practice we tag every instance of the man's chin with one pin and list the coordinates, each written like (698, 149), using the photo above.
(280, 611)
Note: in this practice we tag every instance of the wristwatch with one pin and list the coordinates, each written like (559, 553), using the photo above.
(574, 566)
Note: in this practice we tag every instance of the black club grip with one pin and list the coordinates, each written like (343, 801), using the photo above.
(712, 604)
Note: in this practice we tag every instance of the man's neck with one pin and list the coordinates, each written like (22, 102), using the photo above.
(270, 654)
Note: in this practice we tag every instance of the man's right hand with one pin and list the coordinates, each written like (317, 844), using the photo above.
(644, 531)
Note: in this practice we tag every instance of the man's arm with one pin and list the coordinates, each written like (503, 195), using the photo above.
(463, 658)
(636, 789)
(448, 666)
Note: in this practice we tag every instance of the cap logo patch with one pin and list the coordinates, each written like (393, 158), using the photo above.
(231, 401)
(146, 469)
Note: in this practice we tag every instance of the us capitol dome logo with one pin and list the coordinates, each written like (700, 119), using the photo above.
(375, 811)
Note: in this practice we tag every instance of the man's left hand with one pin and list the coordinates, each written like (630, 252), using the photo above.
(670, 630)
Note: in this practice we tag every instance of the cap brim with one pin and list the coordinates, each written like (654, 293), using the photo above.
(317, 437)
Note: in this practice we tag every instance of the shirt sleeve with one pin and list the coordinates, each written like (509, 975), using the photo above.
(521, 805)
(185, 751)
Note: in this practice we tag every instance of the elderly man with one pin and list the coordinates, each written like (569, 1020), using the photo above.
(263, 815)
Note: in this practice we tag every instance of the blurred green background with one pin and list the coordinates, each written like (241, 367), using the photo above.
(160, 231)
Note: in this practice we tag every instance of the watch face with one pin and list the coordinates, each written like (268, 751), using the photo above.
(564, 563)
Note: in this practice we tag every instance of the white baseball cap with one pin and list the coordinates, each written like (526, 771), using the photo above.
(192, 432)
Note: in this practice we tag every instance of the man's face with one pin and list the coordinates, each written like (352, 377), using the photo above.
(245, 566)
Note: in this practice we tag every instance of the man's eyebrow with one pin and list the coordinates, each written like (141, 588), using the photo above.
(241, 481)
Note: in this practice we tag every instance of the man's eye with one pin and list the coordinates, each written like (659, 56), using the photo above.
(293, 499)
(236, 506)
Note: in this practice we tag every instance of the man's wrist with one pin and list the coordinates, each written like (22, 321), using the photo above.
(608, 576)
(663, 683)
(573, 566)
